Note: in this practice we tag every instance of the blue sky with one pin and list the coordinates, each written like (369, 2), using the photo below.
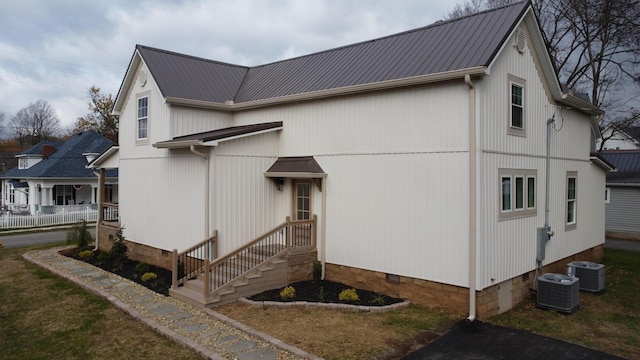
(56, 49)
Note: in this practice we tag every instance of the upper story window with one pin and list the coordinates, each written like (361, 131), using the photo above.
(517, 121)
(143, 118)
(517, 193)
(23, 163)
(572, 199)
(607, 195)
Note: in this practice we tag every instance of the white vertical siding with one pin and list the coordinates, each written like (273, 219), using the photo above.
(507, 248)
(185, 121)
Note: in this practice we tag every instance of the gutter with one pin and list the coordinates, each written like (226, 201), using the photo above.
(473, 163)
(207, 202)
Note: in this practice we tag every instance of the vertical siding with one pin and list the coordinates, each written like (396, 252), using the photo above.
(185, 121)
(507, 248)
(623, 210)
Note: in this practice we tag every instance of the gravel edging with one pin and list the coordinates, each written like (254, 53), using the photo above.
(320, 305)
(285, 351)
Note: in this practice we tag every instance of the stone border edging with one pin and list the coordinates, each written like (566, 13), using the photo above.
(333, 306)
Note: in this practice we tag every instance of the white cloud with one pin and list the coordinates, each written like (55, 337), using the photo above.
(56, 50)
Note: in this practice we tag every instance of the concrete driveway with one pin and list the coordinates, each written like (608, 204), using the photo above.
(18, 239)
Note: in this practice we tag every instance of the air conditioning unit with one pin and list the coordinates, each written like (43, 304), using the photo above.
(558, 292)
(591, 275)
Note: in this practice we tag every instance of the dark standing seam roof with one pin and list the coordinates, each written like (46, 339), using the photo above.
(627, 163)
(296, 164)
(189, 77)
(220, 134)
(457, 44)
(67, 161)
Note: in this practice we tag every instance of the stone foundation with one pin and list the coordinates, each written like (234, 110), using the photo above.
(301, 266)
(451, 298)
(136, 251)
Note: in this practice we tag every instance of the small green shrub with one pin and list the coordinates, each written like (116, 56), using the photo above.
(378, 300)
(118, 251)
(103, 257)
(142, 268)
(288, 293)
(348, 295)
(79, 235)
(317, 273)
(148, 276)
(320, 294)
(85, 254)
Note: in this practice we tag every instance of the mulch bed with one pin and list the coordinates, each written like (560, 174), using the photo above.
(307, 291)
(128, 271)
(304, 290)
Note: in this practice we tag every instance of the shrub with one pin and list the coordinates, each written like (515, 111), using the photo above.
(79, 235)
(317, 273)
(142, 268)
(288, 293)
(85, 254)
(378, 300)
(148, 276)
(118, 251)
(348, 295)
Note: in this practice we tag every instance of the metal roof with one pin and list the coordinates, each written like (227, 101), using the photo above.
(202, 138)
(627, 163)
(188, 77)
(286, 166)
(465, 43)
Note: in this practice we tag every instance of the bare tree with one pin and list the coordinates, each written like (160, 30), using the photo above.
(595, 49)
(34, 123)
(100, 118)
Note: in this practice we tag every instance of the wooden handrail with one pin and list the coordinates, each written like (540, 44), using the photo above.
(192, 260)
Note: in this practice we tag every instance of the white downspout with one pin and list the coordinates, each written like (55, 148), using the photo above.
(323, 246)
(207, 202)
(472, 198)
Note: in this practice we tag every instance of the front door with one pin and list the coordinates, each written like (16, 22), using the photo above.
(301, 233)
(302, 200)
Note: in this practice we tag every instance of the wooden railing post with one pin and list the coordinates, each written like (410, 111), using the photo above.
(314, 231)
(207, 278)
(288, 232)
(174, 273)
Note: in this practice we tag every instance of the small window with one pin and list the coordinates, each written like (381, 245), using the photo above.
(517, 119)
(517, 193)
(143, 116)
(572, 199)
(607, 195)
(517, 106)
(23, 163)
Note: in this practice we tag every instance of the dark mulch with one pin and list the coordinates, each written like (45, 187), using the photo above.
(128, 270)
(307, 291)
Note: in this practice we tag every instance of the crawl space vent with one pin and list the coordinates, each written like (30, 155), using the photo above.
(591, 275)
(558, 292)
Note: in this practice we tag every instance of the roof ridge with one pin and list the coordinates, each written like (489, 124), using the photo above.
(192, 57)
(409, 31)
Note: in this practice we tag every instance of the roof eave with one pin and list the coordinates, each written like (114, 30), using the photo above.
(172, 144)
(602, 163)
(578, 104)
(347, 90)
(298, 175)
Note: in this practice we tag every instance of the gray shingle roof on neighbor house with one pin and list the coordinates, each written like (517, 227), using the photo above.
(444, 46)
(67, 161)
(627, 163)
(37, 148)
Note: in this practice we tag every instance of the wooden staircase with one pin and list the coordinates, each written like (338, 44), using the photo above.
(261, 265)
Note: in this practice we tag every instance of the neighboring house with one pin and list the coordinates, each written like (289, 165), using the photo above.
(422, 154)
(617, 139)
(622, 194)
(55, 173)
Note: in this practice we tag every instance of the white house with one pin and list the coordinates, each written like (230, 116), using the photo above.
(421, 154)
(617, 139)
(53, 174)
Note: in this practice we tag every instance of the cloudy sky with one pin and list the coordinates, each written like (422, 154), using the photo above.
(57, 49)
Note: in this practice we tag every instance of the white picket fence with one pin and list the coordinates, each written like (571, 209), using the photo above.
(10, 221)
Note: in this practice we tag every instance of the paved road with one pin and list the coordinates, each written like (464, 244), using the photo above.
(37, 238)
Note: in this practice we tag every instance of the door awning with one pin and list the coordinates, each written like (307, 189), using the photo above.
(300, 167)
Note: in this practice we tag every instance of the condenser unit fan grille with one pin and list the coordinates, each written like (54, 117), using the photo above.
(558, 292)
(591, 275)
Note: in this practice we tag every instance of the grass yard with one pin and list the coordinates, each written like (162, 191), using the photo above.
(608, 322)
(43, 316)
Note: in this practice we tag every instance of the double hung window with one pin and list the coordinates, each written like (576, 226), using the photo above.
(143, 117)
